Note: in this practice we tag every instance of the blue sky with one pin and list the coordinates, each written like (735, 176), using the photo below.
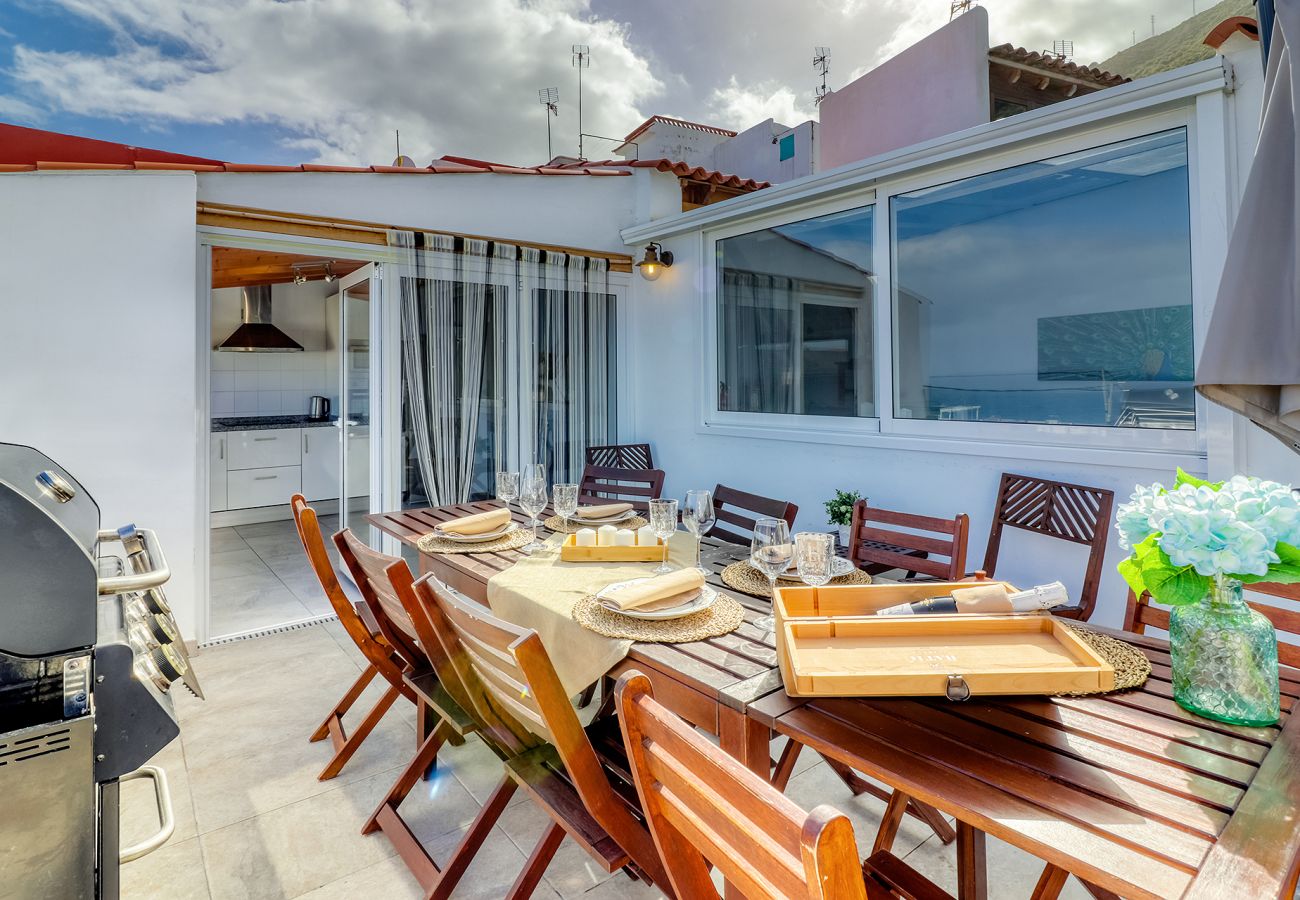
(291, 81)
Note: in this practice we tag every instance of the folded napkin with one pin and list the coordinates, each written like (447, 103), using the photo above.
(680, 584)
(479, 523)
(605, 511)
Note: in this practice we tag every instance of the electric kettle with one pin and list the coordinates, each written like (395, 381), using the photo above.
(318, 409)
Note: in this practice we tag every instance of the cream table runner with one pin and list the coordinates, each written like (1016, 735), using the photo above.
(540, 591)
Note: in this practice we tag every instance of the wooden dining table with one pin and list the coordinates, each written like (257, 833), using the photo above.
(1128, 792)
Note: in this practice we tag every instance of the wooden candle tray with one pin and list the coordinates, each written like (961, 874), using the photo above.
(830, 644)
(571, 552)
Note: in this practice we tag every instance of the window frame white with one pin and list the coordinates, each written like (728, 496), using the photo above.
(1200, 115)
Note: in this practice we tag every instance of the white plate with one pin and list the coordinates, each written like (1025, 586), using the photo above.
(621, 517)
(476, 538)
(703, 600)
(839, 569)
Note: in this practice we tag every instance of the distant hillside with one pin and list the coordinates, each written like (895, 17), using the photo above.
(1178, 46)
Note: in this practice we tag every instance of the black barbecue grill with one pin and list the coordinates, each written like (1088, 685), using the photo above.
(89, 653)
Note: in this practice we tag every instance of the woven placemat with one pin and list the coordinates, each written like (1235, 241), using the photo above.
(745, 578)
(555, 523)
(724, 616)
(432, 543)
(1132, 668)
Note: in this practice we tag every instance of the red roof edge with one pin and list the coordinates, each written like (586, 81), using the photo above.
(28, 146)
(1230, 26)
(668, 120)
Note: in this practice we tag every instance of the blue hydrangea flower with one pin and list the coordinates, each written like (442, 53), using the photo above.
(1133, 521)
(1200, 527)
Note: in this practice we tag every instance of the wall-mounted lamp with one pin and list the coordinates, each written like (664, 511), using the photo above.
(655, 261)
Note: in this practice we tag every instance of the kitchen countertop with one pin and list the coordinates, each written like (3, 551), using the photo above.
(262, 423)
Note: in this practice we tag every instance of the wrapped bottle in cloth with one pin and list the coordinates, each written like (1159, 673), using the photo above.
(988, 599)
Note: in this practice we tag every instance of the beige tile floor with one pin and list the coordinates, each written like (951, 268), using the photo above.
(252, 821)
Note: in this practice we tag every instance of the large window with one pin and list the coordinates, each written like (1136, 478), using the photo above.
(794, 318)
(1057, 292)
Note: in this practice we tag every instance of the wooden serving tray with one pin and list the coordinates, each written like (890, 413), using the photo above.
(571, 552)
(830, 643)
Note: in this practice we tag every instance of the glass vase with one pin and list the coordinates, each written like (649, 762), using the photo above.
(1225, 658)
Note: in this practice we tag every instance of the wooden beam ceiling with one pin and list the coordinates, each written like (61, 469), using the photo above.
(236, 267)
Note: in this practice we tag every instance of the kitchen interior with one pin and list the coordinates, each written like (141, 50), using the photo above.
(290, 405)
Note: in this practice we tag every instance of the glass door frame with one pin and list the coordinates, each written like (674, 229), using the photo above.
(371, 275)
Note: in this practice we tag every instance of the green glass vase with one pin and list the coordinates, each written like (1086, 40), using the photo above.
(1225, 658)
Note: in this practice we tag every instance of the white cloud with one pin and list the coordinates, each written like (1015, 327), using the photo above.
(738, 107)
(340, 76)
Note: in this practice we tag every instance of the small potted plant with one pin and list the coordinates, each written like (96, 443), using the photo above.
(1192, 547)
(839, 509)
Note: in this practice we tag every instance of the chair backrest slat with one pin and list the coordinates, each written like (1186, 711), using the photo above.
(706, 808)
(313, 543)
(606, 485)
(1141, 613)
(742, 509)
(621, 456)
(916, 549)
(1055, 509)
(417, 608)
(368, 571)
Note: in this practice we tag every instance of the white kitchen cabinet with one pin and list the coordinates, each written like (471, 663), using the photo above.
(217, 472)
(270, 486)
(263, 448)
(320, 463)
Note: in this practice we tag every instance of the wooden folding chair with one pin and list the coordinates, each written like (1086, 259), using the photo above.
(620, 456)
(704, 808)
(577, 776)
(1140, 613)
(742, 509)
(386, 582)
(361, 626)
(919, 545)
(1056, 509)
(605, 485)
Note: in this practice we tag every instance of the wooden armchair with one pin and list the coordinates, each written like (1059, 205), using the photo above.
(1056, 509)
(912, 543)
(606, 485)
(620, 456)
(705, 808)
(360, 625)
(576, 775)
(741, 509)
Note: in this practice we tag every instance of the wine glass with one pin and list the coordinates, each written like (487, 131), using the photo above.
(565, 501)
(532, 500)
(663, 522)
(770, 552)
(507, 486)
(698, 517)
(814, 554)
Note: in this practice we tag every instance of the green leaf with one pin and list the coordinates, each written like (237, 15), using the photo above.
(1172, 584)
(1290, 555)
(1183, 478)
(1131, 571)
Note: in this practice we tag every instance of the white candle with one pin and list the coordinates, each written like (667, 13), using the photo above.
(584, 537)
(624, 538)
(605, 536)
(645, 536)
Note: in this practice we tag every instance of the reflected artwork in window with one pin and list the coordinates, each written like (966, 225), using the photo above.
(794, 318)
(1057, 292)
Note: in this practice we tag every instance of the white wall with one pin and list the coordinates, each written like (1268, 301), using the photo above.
(262, 384)
(99, 327)
(575, 210)
(756, 153)
(935, 87)
(664, 140)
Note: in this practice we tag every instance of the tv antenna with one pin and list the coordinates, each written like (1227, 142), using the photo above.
(581, 60)
(550, 98)
(401, 161)
(822, 65)
(1063, 49)
(957, 7)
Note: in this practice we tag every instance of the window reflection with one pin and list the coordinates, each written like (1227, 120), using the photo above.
(794, 318)
(1055, 292)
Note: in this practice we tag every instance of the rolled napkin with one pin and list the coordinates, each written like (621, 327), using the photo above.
(604, 511)
(680, 584)
(479, 523)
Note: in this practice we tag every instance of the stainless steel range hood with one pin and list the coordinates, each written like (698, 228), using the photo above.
(257, 334)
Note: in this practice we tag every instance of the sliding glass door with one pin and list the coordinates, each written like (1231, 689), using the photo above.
(352, 320)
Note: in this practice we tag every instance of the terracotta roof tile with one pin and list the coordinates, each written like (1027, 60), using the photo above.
(1230, 26)
(1049, 63)
(696, 126)
(678, 168)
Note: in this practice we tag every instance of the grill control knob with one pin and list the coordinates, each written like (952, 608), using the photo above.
(169, 663)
